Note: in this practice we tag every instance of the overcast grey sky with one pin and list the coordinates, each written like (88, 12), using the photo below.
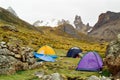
(89, 10)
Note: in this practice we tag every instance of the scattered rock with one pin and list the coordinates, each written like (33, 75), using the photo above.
(46, 77)
(93, 78)
(17, 56)
(98, 78)
(3, 44)
(54, 76)
(39, 74)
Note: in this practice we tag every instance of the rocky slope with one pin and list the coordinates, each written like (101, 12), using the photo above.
(107, 27)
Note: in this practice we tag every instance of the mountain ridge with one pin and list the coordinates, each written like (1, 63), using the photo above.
(107, 27)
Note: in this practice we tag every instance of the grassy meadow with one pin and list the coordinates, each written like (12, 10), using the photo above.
(63, 65)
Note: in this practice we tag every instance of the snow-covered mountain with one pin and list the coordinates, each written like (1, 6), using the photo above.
(51, 23)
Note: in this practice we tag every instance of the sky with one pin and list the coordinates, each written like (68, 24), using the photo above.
(33, 10)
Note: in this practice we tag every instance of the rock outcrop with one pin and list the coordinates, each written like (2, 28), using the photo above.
(80, 26)
(113, 57)
(15, 57)
(107, 27)
(9, 27)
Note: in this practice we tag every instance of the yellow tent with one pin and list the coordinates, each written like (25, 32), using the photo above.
(46, 50)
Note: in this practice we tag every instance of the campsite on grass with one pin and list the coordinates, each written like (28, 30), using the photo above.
(59, 40)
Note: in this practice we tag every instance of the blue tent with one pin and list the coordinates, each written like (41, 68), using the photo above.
(45, 57)
(74, 52)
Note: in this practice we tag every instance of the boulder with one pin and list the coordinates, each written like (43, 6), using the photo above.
(9, 65)
(112, 59)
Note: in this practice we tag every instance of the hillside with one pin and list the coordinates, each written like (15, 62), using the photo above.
(107, 27)
(8, 18)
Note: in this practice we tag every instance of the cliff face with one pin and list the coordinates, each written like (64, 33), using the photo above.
(107, 27)
(79, 26)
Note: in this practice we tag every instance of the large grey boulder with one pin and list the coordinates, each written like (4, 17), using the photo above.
(112, 59)
(9, 65)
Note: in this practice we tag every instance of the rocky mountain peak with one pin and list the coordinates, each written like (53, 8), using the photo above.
(11, 10)
(107, 27)
(80, 26)
(78, 22)
(107, 17)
